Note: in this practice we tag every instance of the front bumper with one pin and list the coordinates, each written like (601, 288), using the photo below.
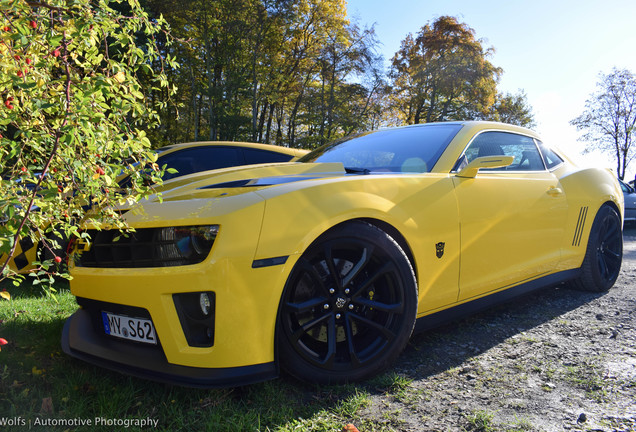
(82, 341)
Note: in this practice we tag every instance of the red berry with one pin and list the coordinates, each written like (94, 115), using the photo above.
(17, 57)
(100, 171)
(20, 74)
(6, 28)
(56, 53)
(29, 61)
(57, 259)
(23, 169)
(33, 24)
(7, 103)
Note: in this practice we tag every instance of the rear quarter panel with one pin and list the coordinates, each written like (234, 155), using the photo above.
(586, 189)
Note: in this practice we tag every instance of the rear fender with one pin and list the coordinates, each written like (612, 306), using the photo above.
(586, 191)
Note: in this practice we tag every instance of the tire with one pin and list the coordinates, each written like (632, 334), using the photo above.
(348, 308)
(604, 254)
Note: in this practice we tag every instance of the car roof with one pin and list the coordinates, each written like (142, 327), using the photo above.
(266, 147)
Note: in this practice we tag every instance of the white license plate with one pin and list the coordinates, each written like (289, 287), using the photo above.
(125, 327)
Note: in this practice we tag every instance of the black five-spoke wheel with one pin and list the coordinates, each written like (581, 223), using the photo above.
(604, 254)
(349, 306)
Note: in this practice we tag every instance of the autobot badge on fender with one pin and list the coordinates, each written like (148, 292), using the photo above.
(439, 249)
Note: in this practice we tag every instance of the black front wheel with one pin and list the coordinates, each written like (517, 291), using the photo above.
(349, 306)
(604, 254)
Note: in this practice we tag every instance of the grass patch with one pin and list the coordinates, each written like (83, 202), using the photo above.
(39, 383)
(589, 377)
(480, 421)
(521, 425)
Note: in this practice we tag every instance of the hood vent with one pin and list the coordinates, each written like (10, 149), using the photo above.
(259, 182)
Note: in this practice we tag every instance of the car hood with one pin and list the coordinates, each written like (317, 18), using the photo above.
(235, 188)
(239, 180)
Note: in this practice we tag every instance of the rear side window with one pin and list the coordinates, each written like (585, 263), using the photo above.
(551, 158)
(256, 156)
(522, 148)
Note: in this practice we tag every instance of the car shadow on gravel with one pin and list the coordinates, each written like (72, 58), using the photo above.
(451, 345)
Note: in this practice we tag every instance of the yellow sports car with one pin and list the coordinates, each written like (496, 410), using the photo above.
(323, 268)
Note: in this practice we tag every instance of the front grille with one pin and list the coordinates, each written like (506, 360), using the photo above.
(145, 247)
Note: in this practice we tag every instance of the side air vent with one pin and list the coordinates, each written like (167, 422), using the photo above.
(580, 224)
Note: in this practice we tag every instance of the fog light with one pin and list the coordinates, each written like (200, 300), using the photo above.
(204, 302)
(196, 311)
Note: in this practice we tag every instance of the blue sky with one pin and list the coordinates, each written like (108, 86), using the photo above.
(553, 50)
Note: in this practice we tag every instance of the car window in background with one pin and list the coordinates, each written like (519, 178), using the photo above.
(551, 158)
(255, 156)
(522, 148)
(198, 159)
(408, 149)
(625, 187)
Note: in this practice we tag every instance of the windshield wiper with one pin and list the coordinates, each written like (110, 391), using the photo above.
(356, 170)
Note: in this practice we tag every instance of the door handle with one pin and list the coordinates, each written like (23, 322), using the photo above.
(555, 191)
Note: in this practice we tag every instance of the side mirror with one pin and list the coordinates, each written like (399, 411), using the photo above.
(470, 170)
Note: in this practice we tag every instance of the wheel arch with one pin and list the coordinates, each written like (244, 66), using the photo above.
(381, 225)
(611, 204)
(397, 236)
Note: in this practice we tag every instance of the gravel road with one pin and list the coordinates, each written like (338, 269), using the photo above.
(557, 360)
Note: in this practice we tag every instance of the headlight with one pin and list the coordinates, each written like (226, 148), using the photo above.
(186, 245)
(148, 247)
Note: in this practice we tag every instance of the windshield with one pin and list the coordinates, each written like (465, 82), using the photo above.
(413, 149)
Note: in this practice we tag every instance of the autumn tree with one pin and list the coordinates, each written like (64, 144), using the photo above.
(274, 71)
(510, 108)
(73, 117)
(443, 73)
(609, 118)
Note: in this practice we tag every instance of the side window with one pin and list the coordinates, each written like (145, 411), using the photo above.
(551, 158)
(256, 156)
(198, 159)
(522, 148)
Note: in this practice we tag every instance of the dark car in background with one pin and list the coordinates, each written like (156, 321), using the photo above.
(630, 202)
(190, 158)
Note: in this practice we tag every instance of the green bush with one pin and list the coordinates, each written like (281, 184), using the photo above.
(72, 117)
